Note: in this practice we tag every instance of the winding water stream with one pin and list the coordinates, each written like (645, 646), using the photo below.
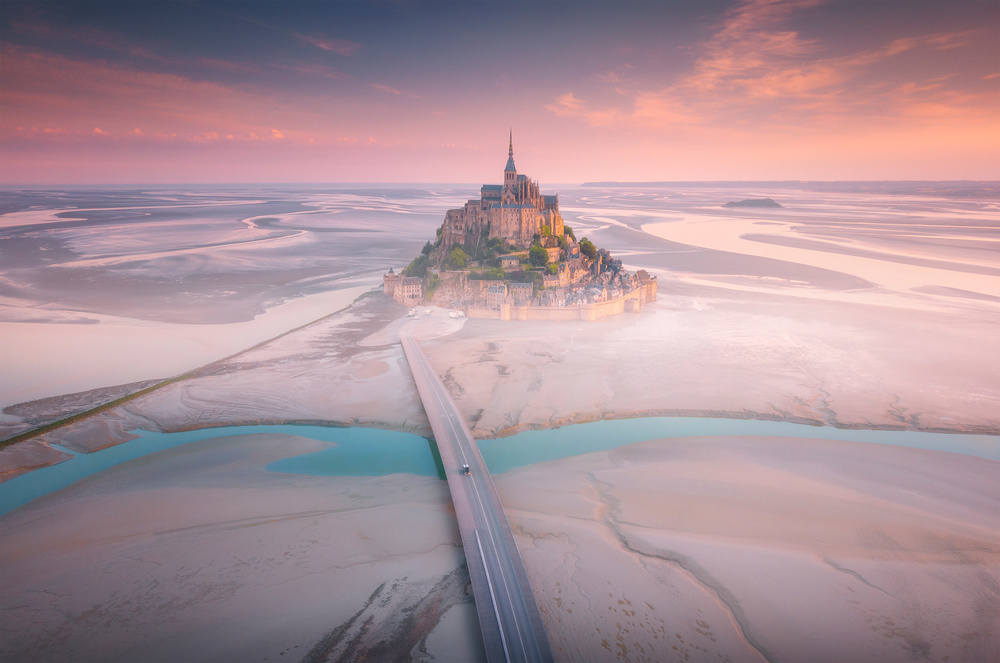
(375, 452)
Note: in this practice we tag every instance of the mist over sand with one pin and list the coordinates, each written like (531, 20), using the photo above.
(855, 310)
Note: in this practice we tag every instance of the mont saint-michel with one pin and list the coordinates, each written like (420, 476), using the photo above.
(509, 255)
(221, 440)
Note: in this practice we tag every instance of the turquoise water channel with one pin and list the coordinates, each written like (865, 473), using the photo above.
(375, 452)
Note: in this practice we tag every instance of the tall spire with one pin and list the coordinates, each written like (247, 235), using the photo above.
(510, 154)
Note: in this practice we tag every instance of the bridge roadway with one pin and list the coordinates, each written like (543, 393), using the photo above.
(508, 615)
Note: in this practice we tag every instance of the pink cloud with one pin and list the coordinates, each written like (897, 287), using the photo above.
(85, 35)
(339, 46)
(315, 70)
(566, 105)
(753, 70)
(569, 106)
(607, 77)
(82, 94)
(394, 91)
(652, 108)
(228, 65)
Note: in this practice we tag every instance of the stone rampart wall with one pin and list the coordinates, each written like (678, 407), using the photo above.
(631, 302)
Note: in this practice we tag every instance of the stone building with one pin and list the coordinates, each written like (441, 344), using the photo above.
(510, 261)
(521, 292)
(496, 295)
(515, 211)
(407, 290)
(389, 283)
(410, 290)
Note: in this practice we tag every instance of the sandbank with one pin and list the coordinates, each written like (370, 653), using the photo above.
(711, 352)
(753, 549)
(198, 553)
(744, 236)
(43, 359)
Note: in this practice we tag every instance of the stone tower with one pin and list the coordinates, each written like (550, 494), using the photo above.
(510, 171)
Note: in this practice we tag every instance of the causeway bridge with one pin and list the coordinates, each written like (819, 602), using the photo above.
(508, 615)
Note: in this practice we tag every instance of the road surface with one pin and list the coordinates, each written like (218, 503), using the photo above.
(508, 615)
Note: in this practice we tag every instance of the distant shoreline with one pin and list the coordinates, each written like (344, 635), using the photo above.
(947, 188)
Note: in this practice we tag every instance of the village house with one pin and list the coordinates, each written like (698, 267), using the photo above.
(409, 291)
(496, 295)
(510, 261)
(521, 292)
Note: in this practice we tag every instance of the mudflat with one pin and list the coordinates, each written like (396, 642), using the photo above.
(841, 309)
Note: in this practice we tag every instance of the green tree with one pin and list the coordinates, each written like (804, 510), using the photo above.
(418, 267)
(569, 231)
(432, 283)
(457, 258)
(491, 274)
(588, 249)
(428, 247)
(538, 256)
(553, 268)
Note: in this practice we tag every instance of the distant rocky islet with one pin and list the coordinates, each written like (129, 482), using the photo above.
(755, 202)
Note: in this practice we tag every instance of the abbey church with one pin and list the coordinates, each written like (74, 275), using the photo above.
(514, 211)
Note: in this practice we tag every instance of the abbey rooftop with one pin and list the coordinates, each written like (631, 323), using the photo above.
(509, 255)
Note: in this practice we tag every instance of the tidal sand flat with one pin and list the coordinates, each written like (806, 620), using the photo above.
(738, 548)
(733, 334)
(762, 549)
(99, 288)
(901, 337)
(198, 553)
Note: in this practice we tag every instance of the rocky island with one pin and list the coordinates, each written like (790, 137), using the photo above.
(755, 202)
(508, 255)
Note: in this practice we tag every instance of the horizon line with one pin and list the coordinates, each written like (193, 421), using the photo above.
(592, 183)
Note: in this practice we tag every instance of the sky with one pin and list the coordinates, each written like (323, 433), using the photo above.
(323, 92)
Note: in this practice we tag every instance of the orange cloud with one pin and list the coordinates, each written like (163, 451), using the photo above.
(755, 72)
(569, 106)
(566, 105)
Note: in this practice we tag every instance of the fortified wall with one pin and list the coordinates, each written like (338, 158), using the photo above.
(631, 302)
